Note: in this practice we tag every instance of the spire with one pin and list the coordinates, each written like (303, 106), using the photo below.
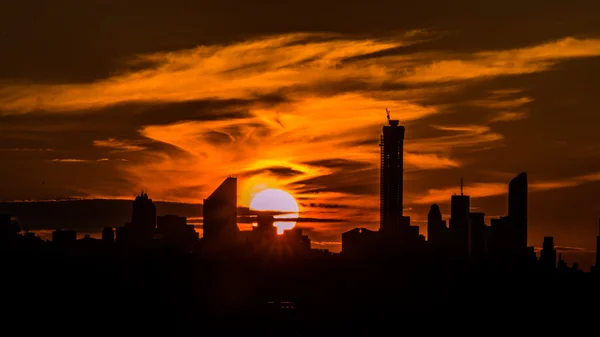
(461, 186)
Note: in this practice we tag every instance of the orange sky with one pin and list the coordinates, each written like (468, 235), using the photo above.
(175, 99)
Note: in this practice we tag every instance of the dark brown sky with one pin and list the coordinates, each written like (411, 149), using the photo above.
(102, 98)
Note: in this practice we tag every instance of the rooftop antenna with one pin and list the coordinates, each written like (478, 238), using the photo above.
(387, 112)
(461, 186)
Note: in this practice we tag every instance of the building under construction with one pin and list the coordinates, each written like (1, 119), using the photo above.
(392, 174)
(395, 234)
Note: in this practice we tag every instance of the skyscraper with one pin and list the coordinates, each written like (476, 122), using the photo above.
(392, 171)
(517, 210)
(548, 255)
(460, 227)
(143, 217)
(220, 213)
(478, 236)
(436, 227)
(598, 249)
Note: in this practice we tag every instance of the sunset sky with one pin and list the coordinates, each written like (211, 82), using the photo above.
(103, 98)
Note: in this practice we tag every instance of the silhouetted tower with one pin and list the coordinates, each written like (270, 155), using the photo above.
(108, 235)
(548, 255)
(517, 211)
(220, 213)
(437, 233)
(175, 233)
(598, 248)
(265, 228)
(143, 218)
(460, 227)
(391, 174)
(478, 237)
(561, 265)
(8, 229)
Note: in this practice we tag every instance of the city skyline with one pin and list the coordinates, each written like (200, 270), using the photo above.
(298, 105)
(465, 233)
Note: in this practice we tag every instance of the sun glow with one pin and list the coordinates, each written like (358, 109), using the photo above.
(276, 200)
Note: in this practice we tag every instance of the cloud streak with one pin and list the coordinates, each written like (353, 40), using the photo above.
(489, 189)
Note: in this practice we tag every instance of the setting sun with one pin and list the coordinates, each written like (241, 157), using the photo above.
(276, 200)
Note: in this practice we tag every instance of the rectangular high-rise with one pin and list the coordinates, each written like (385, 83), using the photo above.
(517, 212)
(460, 224)
(392, 172)
(598, 248)
(220, 213)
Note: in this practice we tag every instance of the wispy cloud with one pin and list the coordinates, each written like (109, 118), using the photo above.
(502, 103)
(270, 64)
(475, 136)
(508, 117)
(505, 62)
(429, 161)
(301, 112)
(119, 145)
(335, 89)
(24, 149)
(482, 190)
(70, 160)
(75, 160)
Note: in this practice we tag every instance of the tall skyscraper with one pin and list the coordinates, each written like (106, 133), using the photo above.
(548, 255)
(436, 228)
(143, 218)
(108, 235)
(220, 213)
(460, 226)
(517, 210)
(598, 248)
(392, 172)
(477, 236)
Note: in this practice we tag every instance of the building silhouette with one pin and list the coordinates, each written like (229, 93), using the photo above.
(108, 235)
(396, 236)
(139, 233)
(478, 237)
(596, 267)
(265, 232)
(548, 255)
(460, 225)
(8, 229)
(220, 214)
(294, 241)
(517, 212)
(143, 218)
(437, 232)
(391, 175)
(175, 234)
(64, 237)
(359, 242)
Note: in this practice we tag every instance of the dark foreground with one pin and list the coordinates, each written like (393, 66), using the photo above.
(180, 294)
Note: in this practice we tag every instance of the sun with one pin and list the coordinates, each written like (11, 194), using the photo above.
(277, 200)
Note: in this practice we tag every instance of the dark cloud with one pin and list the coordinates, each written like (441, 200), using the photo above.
(84, 41)
(355, 183)
(196, 191)
(72, 135)
(252, 219)
(323, 205)
(340, 164)
(279, 171)
(568, 249)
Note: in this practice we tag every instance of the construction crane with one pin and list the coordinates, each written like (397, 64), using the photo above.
(387, 113)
